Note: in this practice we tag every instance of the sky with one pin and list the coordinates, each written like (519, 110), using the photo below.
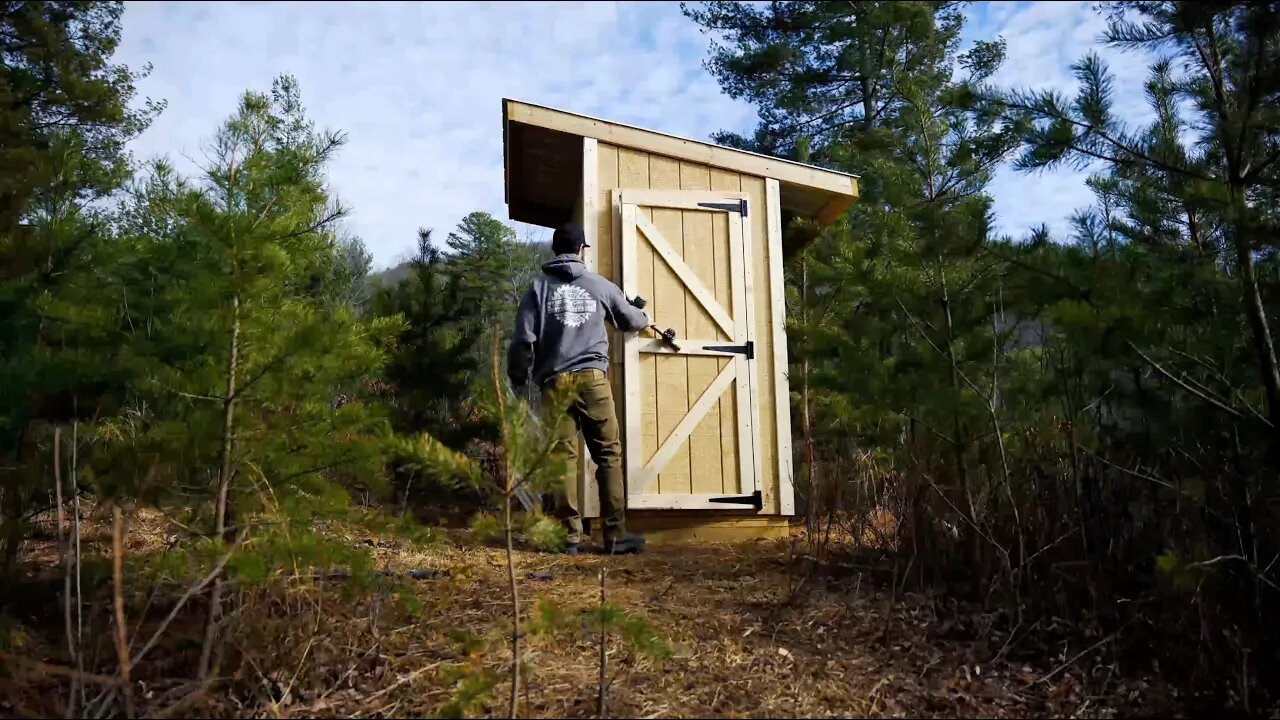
(418, 89)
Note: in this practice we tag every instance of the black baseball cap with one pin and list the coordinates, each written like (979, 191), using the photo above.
(568, 238)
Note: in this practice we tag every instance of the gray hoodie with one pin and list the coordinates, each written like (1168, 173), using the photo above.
(560, 324)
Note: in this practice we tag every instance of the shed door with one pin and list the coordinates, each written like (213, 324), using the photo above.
(690, 424)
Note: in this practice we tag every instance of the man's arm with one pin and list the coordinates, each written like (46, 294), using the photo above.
(520, 352)
(622, 313)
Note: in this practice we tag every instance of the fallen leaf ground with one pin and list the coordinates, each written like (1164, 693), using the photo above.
(752, 629)
(747, 637)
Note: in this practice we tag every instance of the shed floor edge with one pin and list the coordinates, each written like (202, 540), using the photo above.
(664, 528)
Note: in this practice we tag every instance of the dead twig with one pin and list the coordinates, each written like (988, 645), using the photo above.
(406, 679)
(603, 638)
(117, 582)
(1198, 393)
(662, 594)
(60, 670)
(181, 702)
(190, 592)
(284, 696)
(834, 564)
(507, 531)
(75, 533)
(1013, 635)
(98, 706)
(1081, 654)
(64, 550)
(1240, 558)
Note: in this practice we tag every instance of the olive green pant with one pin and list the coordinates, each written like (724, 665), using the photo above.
(592, 413)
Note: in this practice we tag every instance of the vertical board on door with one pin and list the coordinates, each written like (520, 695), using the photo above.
(706, 464)
(671, 390)
(763, 379)
(633, 171)
(705, 452)
(730, 181)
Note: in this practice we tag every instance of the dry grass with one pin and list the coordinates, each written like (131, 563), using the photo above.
(752, 632)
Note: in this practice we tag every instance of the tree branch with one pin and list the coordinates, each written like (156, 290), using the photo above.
(191, 591)
(1090, 129)
(1213, 401)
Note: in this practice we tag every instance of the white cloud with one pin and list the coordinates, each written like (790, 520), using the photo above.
(1043, 40)
(418, 87)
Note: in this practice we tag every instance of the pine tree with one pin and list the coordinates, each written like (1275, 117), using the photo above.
(242, 341)
(452, 301)
(892, 330)
(57, 78)
(823, 71)
(527, 460)
(1015, 400)
(494, 269)
(1227, 76)
(64, 123)
(433, 367)
(494, 265)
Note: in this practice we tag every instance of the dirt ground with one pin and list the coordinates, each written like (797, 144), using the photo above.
(751, 630)
(751, 633)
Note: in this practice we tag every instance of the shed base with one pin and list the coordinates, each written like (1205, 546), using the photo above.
(673, 528)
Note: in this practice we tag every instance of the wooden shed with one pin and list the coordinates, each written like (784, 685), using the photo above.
(696, 229)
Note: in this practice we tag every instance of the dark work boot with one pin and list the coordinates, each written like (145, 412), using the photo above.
(623, 544)
(573, 535)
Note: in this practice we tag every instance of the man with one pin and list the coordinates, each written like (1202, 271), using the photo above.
(560, 338)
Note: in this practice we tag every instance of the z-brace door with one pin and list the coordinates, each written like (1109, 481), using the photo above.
(690, 420)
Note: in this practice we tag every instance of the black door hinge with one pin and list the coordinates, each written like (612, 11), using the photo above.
(739, 207)
(753, 500)
(749, 349)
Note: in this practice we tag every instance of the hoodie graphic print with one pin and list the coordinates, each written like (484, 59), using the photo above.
(560, 325)
(572, 305)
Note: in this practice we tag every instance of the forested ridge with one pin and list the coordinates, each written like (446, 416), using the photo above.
(241, 473)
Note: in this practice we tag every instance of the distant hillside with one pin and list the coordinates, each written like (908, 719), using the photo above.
(396, 274)
(390, 277)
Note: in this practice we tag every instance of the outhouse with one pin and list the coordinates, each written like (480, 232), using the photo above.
(695, 229)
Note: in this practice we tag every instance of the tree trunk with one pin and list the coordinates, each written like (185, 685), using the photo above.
(75, 533)
(14, 507)
(117, 585)
(509, 490)
(1257, 317)
(224, 485)
(972, 548)
(956, 390)
(806, 420)
(515, 608)
(603, 686)
(64, 550)
(228, 422)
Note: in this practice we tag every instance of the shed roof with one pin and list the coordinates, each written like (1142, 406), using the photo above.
(542, 160)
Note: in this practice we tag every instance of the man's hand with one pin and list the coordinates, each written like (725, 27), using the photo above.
(638, 302)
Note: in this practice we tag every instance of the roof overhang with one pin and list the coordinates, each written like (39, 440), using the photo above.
(542, 162)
